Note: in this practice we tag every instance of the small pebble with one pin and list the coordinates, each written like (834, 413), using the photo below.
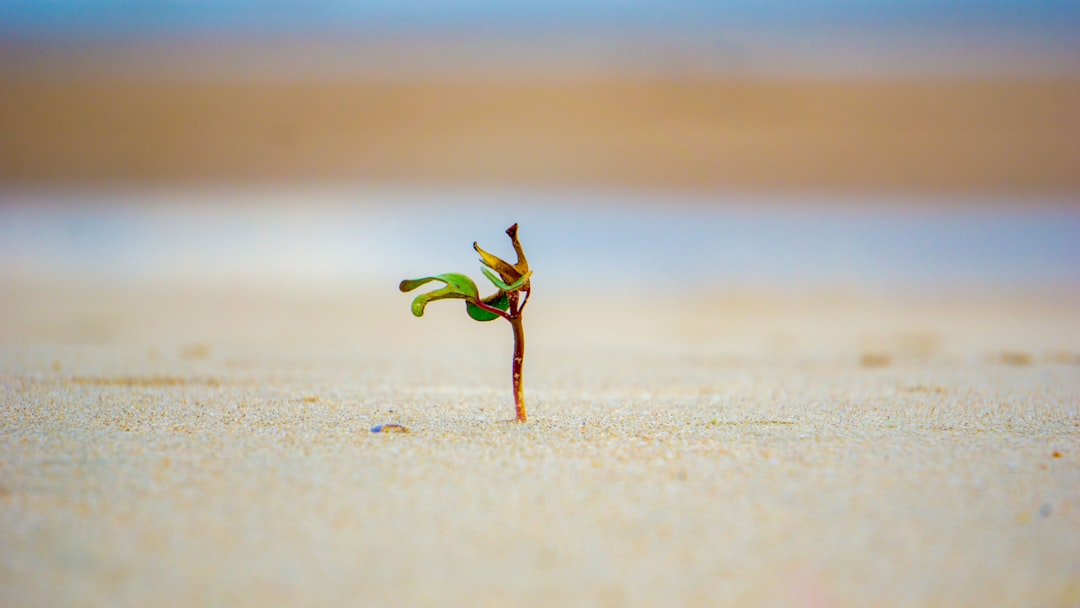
(1045, 510)
(389, 428)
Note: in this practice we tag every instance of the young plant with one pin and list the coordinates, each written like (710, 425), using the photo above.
(508, 302)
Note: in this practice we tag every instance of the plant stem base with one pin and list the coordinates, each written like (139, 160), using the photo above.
(519, 358)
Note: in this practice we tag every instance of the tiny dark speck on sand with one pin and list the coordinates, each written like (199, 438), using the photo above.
(389, 428)
(1045, 510)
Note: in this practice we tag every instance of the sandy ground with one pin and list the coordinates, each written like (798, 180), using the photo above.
(179, 447)
(788, 134)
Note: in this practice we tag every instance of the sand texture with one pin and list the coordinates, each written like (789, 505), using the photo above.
(188, 447)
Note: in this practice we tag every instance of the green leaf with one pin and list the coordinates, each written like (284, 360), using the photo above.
(495, 280)
(458, 286)
(499, 300)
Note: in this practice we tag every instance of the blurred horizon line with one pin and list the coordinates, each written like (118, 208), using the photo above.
(682, 53)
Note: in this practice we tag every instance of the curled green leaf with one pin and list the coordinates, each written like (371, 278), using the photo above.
(497, 282)
(499, 300)
(458, 286)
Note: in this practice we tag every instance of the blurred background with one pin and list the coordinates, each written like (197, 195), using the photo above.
(900, 146)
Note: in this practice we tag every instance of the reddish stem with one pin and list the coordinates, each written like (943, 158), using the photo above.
(513, 315)
(519, 355)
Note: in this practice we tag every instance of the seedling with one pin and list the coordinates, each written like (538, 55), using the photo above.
(508, 302)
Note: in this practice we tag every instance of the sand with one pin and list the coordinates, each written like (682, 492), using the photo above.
(179, 447)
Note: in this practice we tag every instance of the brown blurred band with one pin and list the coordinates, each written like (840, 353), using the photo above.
(1004, 135)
